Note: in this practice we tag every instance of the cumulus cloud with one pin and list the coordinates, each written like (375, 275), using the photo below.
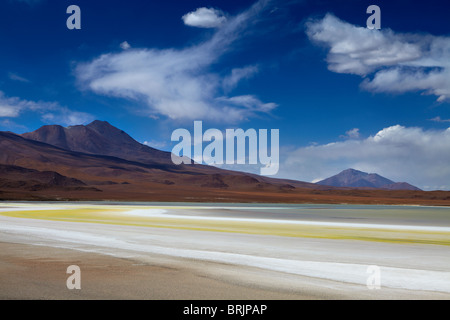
(176, 83)
(413, 155)
(205, 18)
(125, 45)
(351, 134)
(399, 62)
(51, 112)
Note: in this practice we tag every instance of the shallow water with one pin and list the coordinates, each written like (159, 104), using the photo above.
(339, 213)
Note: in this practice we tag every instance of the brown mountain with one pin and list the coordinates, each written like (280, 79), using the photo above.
(16, 150)
(99, 137)
(119, 178)
(352, 178)
(101, 162)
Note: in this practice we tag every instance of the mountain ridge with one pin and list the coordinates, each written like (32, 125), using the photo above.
(102, 138)
(351, 178)
(33, 154)
(98, 137)
(48, 172)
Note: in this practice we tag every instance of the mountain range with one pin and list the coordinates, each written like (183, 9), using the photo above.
(101, 162)
(352, 178)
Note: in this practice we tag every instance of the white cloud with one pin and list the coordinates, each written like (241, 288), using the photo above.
(67, 117)
(249, 102)
(176, 83)
(155, 144)
(7, 110)
(238, 74)
(13, 107)
(125, 45)
(399, 62)
(205, 18)
(351, 134)
(417, 156)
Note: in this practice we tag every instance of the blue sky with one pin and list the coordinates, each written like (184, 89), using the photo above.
(341, 95)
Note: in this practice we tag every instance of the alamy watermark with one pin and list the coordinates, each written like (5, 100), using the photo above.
(74, 21)
(374, 21)
(74, 280)
(374, 278)
(230, 148)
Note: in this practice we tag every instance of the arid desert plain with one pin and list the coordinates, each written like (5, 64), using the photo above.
(224, 251)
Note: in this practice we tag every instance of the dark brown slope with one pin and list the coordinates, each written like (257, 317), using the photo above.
(101, 138)
(121, 179)
(16, 150)
(100, 170)
(399, 186)
(12, 177)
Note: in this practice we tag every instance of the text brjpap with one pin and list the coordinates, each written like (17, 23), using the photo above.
(237, 310)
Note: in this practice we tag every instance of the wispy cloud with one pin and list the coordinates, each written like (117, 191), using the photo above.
(176, 83)
(8, 124)
(238, 74)
(414, 155)
(50, 112)
(399, 62)
(205, 18)
(16, 77)
(249, 102)
(67, 117)
(438, 119)
(13, 106)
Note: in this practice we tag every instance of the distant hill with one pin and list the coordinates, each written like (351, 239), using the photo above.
(352, 178)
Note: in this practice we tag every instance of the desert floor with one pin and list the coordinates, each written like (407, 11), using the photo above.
(223, 252)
